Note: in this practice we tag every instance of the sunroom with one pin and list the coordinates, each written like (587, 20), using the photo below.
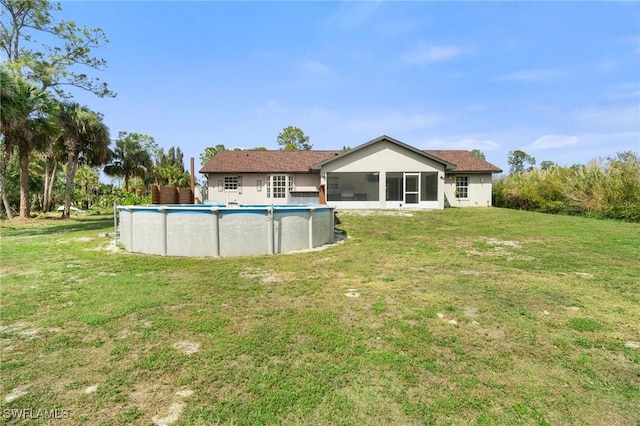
(398, 189)
(383, 173)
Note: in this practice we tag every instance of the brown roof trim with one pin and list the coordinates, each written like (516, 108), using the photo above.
(280, 161)
(465, 161)
(265, 161)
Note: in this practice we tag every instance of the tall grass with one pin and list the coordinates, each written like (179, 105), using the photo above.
(608, 188)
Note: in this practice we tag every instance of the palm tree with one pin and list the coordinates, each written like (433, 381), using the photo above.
(86, 138)
(51, 156)
(9, 114)
(130, 158)
(27, 120)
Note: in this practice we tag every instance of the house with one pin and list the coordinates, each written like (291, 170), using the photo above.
(380, 174)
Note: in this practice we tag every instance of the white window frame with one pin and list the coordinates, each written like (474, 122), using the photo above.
(286, 184)
(462, 187)
(231, 183)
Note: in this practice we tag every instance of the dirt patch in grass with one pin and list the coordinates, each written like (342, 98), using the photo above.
(187, 348)
(492, 247)
(352, 293)
(15, 394)
(470, 312)
(110, 247)
(262, 275)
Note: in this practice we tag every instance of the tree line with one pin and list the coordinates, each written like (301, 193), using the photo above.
(607, 188)
(51, 147)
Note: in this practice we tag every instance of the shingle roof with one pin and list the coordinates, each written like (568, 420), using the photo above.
(465, 161)
(302, 161)
(265, 161)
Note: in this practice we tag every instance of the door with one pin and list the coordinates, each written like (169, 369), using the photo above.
(411, 188)
(322, 196)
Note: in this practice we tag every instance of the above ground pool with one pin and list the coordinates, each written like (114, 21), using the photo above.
(213, 230)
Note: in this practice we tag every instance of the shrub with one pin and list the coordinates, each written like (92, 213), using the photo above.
(609, 188)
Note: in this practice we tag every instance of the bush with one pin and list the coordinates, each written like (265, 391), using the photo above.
(609, 188)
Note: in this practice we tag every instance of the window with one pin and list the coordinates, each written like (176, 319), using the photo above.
(462, 187)
(231, 183)
(279, 185)
(353, 186)
(429, 187)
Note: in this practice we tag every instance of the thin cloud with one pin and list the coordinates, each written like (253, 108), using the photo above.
(430, 54)
(553, 142)
(464, 143)
(533, 75)
(392, 123)
(624, 91)
(316, 67)
(619, 117)
(351, 16)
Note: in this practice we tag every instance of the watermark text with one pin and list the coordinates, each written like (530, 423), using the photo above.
(35, 413)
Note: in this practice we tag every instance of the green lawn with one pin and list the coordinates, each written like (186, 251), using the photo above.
(476, 316)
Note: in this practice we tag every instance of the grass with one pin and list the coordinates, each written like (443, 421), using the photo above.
(476, 316)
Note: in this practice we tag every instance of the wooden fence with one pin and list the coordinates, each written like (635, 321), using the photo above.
(171, 195)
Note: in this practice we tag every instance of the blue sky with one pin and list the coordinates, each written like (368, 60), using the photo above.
(559, 80)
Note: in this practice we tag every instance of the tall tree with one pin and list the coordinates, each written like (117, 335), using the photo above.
(9, 116)
(169, 168)
(520, 162)
(26, 121)
(86, 138)
(52, 155)
(547, 165)
(478, 153)
(56, 65)
(293, 139)
(87, 178)
(131, 157)
(209, 152)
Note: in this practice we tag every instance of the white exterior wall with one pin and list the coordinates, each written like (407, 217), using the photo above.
(383, 157)
(250, 193)
(480, 189)
(309, 182)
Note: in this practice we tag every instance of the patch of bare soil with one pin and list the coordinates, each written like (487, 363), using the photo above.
(15, 394)
(472, 312)
(187, 348)
(174, 411)
(265, 276)
(499, 248)
(75, 240)
(352, 293)
(110, 247)
(584, 274)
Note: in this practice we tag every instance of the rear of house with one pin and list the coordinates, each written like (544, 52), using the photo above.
(381, 174)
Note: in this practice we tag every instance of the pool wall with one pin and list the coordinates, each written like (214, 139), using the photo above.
(214, 231)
